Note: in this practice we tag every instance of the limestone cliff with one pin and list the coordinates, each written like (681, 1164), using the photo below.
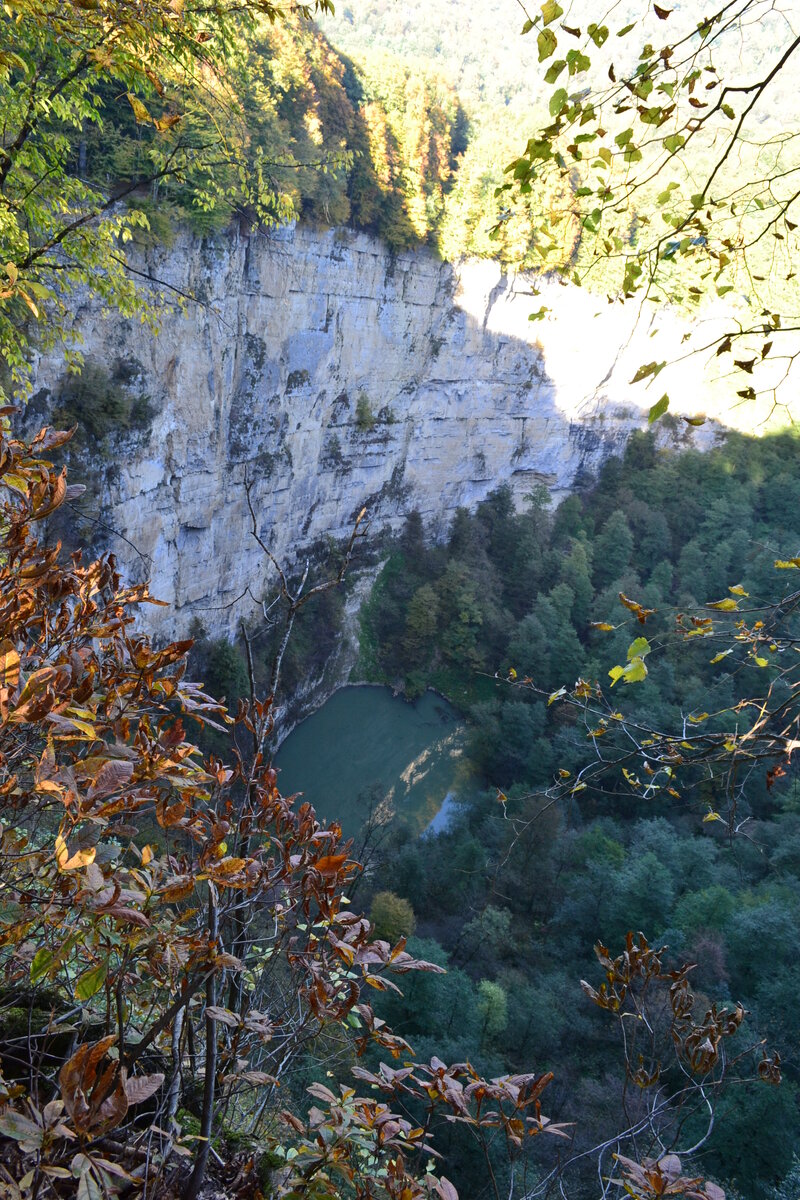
(336, 375)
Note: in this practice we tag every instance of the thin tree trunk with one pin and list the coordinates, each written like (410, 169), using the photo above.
(210, 1083)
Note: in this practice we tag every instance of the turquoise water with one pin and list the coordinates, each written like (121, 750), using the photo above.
(368, 751)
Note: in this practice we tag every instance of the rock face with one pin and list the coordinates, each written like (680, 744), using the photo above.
(333, 375)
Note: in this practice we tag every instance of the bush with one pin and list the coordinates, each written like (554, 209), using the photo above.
(365, 417)
(392, 917)
(102, 404)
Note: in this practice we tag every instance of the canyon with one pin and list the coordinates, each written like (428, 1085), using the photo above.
(330, 376)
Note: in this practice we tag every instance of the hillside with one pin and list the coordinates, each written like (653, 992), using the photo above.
(477, 47)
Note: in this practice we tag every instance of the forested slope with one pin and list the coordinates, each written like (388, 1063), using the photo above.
(513, 895)
(318, 136)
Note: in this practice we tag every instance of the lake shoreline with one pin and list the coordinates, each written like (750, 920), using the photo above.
(370, 753)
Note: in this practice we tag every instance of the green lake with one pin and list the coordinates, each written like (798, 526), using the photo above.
(367, 749)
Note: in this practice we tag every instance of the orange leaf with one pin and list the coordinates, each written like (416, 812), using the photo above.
(330, 864)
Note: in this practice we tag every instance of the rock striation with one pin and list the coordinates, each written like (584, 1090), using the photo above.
(333, 375)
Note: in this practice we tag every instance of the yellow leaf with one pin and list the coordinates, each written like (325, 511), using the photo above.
(711, 816)
(84, 727)
(738, 590)
(47, 785)
(139, 111)
(699, 718)
(16, 482)
(786, 564)
(164, 123)
(719, 657)
(726, 605)
(29, 302)
(147, 855)
(9, 664)
(228, 866)
(68, 862)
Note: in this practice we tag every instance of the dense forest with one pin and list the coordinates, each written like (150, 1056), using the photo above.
(327, 139)
(379, 141)
(516, 890)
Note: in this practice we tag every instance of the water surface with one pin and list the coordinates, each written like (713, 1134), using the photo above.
(367, 751)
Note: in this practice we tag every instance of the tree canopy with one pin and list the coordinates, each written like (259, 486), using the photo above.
(59, 230)
(680, 149)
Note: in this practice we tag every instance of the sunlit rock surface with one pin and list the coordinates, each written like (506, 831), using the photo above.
(335, 375)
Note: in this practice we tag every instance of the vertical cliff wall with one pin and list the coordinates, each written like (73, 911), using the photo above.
(334, 375)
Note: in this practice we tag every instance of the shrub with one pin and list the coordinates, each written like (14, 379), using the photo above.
(392, 917)
(365, 417)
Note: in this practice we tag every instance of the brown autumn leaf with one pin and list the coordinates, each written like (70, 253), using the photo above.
(142, 1087)
(113, 774)
(95, 1100)
(57, 497)
(330, 864)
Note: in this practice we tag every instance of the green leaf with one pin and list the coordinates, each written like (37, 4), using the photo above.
(635, 672)
(674, 142)
(527, 27)
(547, 42)
(42, 962)
(90, 982)
(21, 1129)
(658, 409)
(647, 370)
(551, 11)
(554, 70)
(577, 62)
(640, 647)
(598, 34)
(88, 1187)
(557, 101)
